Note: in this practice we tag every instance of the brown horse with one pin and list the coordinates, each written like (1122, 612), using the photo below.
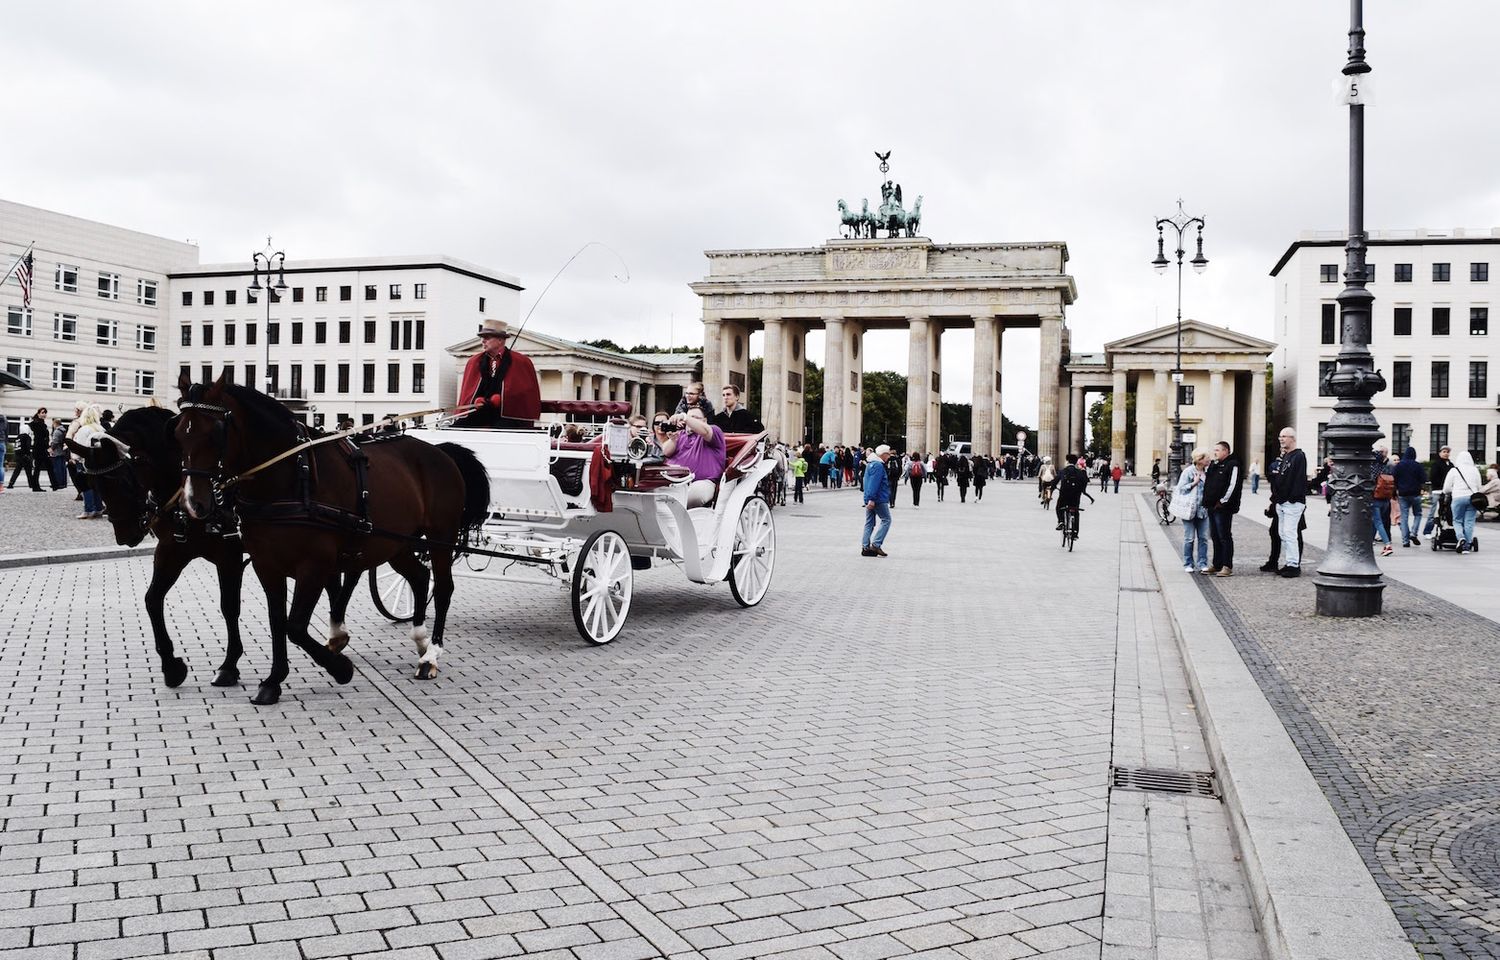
(331, 508)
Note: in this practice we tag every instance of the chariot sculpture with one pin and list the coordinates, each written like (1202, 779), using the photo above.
(890, 216)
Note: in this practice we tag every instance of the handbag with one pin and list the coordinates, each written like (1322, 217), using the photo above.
(1480, 501)
(1182, 505)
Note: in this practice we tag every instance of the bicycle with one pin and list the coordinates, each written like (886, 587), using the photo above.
(1070, 527)
(1046, 496)
(1164, 505)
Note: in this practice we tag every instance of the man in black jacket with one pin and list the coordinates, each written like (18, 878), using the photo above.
(735, 418)
(1289, 497)
(1440, 468)
(1221, 498)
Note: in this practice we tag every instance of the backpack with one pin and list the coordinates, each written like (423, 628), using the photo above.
(916, 468)
(1073, 481)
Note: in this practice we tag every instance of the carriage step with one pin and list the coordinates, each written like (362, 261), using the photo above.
(640, 563)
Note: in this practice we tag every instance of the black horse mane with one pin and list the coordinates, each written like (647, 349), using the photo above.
(265, 414)
(145, 427)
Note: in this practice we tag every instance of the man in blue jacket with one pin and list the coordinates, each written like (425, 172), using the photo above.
(877, 505)
(1410, 475)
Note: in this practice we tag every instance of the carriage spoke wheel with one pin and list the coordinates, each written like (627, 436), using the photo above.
(754, 554)
(602, 583)
(392, 595)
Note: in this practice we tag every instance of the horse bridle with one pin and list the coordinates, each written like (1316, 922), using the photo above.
(127, 462)
(222, 417)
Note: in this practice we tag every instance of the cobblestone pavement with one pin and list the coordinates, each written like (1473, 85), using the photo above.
(1395, 718)
(36, 522)
(886, 758)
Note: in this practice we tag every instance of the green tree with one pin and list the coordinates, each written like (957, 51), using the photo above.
(883, 408)
(1100, 417)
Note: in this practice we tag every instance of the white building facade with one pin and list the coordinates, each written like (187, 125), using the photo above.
(1430, 336)
(98, 325)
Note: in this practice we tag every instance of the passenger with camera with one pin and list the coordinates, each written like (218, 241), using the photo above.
(688, 440)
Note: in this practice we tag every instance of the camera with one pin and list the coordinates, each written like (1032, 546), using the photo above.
(669, 427)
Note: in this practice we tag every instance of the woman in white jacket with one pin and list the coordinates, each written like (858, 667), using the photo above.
(84, 431)
(1462, 483)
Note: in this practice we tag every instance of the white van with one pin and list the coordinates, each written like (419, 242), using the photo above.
(961, 447)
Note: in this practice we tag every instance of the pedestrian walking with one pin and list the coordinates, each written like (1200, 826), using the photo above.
(981, 476)
(942, 469)
(1289, 496)
(1221, 498)
(799, 476)
(877, 496)
(1254, 477)
(1409, 475)
(1195, 524)
(1380, 499)
(892, 465)
(1115, 474)
(915, 474)
(1155, 472)
(1440, 468)
(88, 430)
(25, 462)
(1462, 483)
(825, 467)
(57, 452)
(965, 473)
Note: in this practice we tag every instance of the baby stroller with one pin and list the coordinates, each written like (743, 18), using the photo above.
(1444, 535)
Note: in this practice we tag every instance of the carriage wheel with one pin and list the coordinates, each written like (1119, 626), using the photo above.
(754, 555)
(392, 595)
(603, 579)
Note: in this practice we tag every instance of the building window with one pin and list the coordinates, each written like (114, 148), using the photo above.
(107, 333)
(65, 327)
(418, 377)
(320, 331)
(1328, 273)
(1439, 379)
(366, 419)
(273, 378)
(296, 294)
(185, 372)
(296, 379)
(369, 378)
(231, 297)
(1325, 370)
(106, 380)
(64, 376)
(320, 378)
(419, 291)
(208, 334)
(19, 367)
(1479, 379)
(65, 278)
(406, 327)
(320, 294)
(109, 286)
(250, 334)
(1325, 449)
(1184, 396)
(369, 331)
(1477, 433)
(296, 331)
(250, 376)
(275, 294)
(369, 291)
(1401, 378)
(1369, 272)
(228, 334)
(187, 298)
(395, 291)
(18, 321)
(1403, 321)
(208, 298)
(395, 334)
(208, 373)
(145, 382)
(421, 338)
(1479, 321)
(273, 332)
(1400, 436)
(1441, 272)
(1402, 273)
(1479, 272)
(344, 331)
(145, 338)
(145, 292)
(1440, 322)
(393, 378)
(229, 373)
(1330, 323)
(343, 378)
(346, 293)
(481, 304)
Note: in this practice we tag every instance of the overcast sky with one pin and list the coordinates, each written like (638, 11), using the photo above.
(511, 134)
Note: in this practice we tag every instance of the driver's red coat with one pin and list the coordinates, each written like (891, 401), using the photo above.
(521, 394)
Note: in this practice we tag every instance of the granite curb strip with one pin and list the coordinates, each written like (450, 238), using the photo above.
(44, 558)
(1312, 893)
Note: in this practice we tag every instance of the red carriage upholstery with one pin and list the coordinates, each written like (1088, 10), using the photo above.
(588, 408)
(739, 453)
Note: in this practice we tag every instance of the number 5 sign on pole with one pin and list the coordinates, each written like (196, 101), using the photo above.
(1353, 90)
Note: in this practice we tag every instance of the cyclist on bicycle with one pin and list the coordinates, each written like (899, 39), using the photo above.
(1044, 478)
(1071, 483)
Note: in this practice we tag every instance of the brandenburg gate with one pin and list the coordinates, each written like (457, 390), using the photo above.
(850, 286)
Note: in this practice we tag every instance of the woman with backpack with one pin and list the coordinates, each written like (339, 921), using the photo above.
(915, 474)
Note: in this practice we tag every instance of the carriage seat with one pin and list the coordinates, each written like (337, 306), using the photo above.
(587, 408)
(739, 453)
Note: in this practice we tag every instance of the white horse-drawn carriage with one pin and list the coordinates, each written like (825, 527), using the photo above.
(580, 506)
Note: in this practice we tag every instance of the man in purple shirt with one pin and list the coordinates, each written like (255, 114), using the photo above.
(699, 446)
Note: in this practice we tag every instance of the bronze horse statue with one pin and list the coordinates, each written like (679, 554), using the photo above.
(327, 509)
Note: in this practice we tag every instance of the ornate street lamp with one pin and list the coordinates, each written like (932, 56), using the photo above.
(268, 262)
(1349, 583)
(1181, 222)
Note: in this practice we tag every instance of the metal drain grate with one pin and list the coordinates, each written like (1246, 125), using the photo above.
(1187, 783)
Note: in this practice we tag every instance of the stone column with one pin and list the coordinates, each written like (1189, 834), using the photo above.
(1117, 419)
(773, 380)
(1047, 405)
(1075, 420)
(918, 381)
(736, 354)
(1213, 421)
(794, 399)
(713, 351)
(854, 396)
(997, 421)
(1258, 443)
(1161, 419)
(984, 432)
(835, 380)
(648, 400)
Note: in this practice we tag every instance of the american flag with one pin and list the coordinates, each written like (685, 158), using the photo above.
(23, 277)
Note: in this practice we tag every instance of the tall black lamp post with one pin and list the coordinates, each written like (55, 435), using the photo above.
(1349, 583)
(1180, 223)
(268, 262)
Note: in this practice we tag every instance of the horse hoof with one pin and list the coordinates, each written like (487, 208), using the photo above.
(340, 668)
(338, 640)
(426, 671)
(268, 694)
(174, 671)
(227, 677)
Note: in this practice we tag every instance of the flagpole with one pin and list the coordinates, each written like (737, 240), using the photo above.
(13, 266)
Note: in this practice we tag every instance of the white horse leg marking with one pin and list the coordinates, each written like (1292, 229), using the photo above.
(419, 637)
(338, 637)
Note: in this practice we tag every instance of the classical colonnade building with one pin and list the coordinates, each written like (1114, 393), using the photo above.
(848, 287)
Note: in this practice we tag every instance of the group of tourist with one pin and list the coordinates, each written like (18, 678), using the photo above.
(41, 451)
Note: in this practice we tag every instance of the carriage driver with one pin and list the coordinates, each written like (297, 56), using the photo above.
(502, 381)
(699, 446)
